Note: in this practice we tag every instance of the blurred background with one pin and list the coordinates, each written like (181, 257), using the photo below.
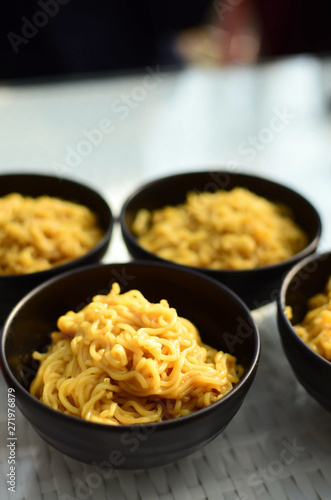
(182, 86)
(113, 94)
(192, 85)
(62, 37)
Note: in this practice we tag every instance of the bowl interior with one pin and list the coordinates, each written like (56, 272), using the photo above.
(39, 185)
(173, 190)
(222, 320)
(305, 280)
(257, 286)
(14, 287)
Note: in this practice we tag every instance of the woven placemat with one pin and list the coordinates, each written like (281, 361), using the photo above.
(277, 447)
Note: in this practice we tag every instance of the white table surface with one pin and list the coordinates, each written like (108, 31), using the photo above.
(195, 119)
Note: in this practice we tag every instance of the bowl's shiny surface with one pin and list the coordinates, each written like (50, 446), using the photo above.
(257, 286)
(221, 317)
(306, 279)
(14, 287)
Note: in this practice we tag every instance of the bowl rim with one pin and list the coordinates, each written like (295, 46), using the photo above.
(281, 304)
(127, 427)
(307, 250)
(78, 260)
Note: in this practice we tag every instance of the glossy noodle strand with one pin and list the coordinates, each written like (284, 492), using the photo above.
(125, 360)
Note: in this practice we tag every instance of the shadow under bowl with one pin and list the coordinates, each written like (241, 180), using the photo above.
(306, 279)
(257, 286)
(223, 321)
(13, 287)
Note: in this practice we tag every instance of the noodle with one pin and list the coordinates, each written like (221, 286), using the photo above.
(315, 328)
(223, 230)
(40, 233)
(124, 360)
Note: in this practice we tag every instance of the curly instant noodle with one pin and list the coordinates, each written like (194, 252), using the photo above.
(124, 360)
(39, 233)
(234, 229)
(315, 328)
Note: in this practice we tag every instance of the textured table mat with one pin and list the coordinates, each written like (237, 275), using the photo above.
(277, 447)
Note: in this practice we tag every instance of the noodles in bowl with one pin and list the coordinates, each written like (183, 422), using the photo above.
(37, 233)
(222, 319)
(223, 230)
(315, 328)
(304, 323)
(241, 230)
(125, 360)
(47, 226)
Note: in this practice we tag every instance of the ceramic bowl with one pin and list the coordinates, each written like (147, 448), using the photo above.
(14, 287)
(256, 286)
(306, 279)
(221, 317)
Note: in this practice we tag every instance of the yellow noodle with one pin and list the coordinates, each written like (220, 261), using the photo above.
(315, 328)
(39, 233)
(124, 360)
(223, 230)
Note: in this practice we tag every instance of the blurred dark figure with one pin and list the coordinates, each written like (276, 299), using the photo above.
(52, 37)
(250, 30)
(60, 37)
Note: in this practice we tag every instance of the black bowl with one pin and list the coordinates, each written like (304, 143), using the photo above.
(221, 317)
(14, 287)
(256, 286)
(306, 279)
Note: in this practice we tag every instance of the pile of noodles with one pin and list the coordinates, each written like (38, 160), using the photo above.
(39, 233)
(234, 229)
(124, 360)
(315, 328)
